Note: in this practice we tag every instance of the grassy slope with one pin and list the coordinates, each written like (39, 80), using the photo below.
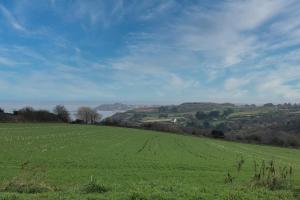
(151, 164)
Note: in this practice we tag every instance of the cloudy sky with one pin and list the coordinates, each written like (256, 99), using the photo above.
(245, 51)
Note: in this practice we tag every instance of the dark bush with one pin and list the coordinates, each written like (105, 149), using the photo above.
(217, 134)
(222, 126)
(206, 124)
(163, 115)
(31, 115)
(45, 116)
(201, 115)
(195, 131)
(167, 127)
(277, 141)
(293, 141)
(254, 138)
(228, 111)
(78, 121)
(214, 114)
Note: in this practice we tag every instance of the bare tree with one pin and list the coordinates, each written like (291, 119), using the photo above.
(95, 117)
(62, 113)
(88, 115)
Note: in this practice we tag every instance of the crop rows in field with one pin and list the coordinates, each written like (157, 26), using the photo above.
(130, 161)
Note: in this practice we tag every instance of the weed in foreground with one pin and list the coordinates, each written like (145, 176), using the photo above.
(271, 176)
(22, 186)
(9, 197)
(267, 175)
(28, 181)
(137, 196)
(296, 192)
(240, 164)
(229, 178)
(94, 187)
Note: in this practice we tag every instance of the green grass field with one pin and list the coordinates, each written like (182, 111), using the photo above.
(133, 164)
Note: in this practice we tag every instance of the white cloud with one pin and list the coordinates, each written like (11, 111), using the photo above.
(224, 35)
(278, 82)
(159, 10)
(6, 61)
(54, 85)
(177, 83)
(11, 19)
(93, 14)
(229, 50)
(235, 83)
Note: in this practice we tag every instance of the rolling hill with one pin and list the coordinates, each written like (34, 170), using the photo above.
(58, 160)
(277, 125)
(116, 107)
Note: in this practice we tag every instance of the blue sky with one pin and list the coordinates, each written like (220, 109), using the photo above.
(242, 51)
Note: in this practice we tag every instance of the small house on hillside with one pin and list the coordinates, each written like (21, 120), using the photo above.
(174, 120)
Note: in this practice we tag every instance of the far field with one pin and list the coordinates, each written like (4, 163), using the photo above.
(133, 164)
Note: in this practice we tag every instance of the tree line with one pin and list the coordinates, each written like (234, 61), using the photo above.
(60, 113)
